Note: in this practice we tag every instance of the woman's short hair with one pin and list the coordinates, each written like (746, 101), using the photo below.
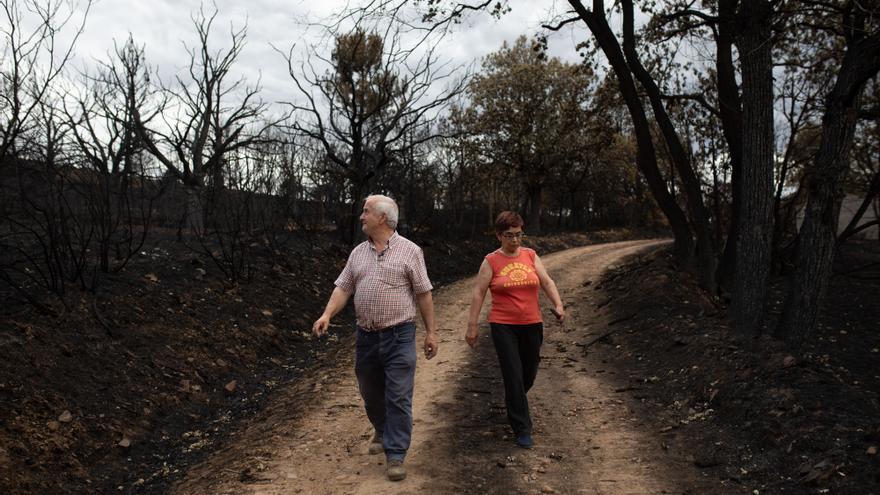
(385, 206)
(506, 220)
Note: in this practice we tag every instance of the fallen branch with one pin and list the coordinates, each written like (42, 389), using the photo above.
(607, 334)
(615, 322)
(101, 319)
(597, 339)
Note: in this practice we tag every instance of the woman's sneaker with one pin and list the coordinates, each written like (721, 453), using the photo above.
(525, 441)
(376, 446)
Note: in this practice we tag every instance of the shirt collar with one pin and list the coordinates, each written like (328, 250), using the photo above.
(391, 241)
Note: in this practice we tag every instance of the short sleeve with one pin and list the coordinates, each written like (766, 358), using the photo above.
(418, 273)
(345, 280)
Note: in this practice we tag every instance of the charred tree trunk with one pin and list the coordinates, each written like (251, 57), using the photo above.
(753, 247)
(646, 155)
(533, 221)
(705, 255)
(826, 178)
(730, 109)
(194, 211)
(853, 227)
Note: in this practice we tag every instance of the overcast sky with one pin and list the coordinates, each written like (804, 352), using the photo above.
(163, 26)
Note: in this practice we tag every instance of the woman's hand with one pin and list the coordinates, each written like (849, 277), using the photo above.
(471, 336)
(559, 313)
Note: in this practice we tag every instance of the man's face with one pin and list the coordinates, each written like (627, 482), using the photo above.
(371, 219)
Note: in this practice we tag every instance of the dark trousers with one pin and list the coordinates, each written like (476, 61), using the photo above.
(385, 365)
(519, 352)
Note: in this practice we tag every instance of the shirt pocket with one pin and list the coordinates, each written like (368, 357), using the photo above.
(393, 274)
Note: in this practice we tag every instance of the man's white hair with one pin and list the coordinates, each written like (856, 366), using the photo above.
(386, 206)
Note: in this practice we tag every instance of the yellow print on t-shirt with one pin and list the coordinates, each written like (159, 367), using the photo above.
(518, 273)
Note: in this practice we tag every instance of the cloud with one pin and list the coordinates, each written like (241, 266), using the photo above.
(165, 27)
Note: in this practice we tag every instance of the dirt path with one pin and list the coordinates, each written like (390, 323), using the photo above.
(589, 437)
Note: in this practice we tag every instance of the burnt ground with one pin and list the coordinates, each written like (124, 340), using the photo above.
(750, 411)
(130, 386)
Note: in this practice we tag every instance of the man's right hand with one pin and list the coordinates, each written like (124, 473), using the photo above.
(320, 326)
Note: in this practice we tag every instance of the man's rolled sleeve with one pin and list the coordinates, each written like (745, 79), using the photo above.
(345, 281)
(418, 273)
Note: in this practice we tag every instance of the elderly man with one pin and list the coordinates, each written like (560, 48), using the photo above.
(387, 275)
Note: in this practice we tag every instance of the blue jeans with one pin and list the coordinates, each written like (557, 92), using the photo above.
(385, 365)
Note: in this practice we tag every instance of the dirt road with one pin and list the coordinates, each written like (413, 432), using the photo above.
(589, 437)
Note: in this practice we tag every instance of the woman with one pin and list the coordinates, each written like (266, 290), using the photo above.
(513, 273)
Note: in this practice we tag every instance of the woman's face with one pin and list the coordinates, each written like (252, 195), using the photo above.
(511, 238)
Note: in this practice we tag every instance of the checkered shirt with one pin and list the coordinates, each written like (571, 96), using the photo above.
(385, 284)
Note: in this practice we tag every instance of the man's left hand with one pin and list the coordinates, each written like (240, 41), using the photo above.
(430, 345)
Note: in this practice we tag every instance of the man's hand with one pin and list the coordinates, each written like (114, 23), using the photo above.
(320, 326)
(471, 336)
(337, 301)
(430, 344)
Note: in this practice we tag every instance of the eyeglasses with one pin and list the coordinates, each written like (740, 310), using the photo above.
(513, 235)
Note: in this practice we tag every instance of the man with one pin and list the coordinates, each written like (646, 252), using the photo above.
(387, 275)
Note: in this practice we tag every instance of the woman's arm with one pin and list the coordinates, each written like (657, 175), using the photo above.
(549, 287)
(484, 278)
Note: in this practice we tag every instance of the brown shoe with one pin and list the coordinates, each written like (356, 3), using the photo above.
(395, 470)
(376, 446)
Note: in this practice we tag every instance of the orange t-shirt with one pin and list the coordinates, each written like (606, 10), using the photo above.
(514, 288)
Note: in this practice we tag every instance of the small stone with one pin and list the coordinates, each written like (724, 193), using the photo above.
(872, 450)
(124, 443)
(230, 387)
(547, 489)
(789, 361)
(53, 425)
(65, 417)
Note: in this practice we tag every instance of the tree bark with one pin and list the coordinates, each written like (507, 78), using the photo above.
(680, 158)
(646, 155)
(826, 179)
(730, 109)
(534, 211)
(754, 240)
(853, 227)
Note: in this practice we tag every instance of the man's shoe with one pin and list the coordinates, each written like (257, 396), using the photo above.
(395, 471)
(525, 441)
(376, 446)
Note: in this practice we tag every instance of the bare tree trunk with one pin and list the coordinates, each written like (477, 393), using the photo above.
(853, 227)
(826, 178)
(534, 210)
(646, 155)
(877, 215)
(753, 248)
(679, 157)
(730, 109)
(194, 212)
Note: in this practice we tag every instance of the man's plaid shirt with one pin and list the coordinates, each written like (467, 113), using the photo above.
(385, 284)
